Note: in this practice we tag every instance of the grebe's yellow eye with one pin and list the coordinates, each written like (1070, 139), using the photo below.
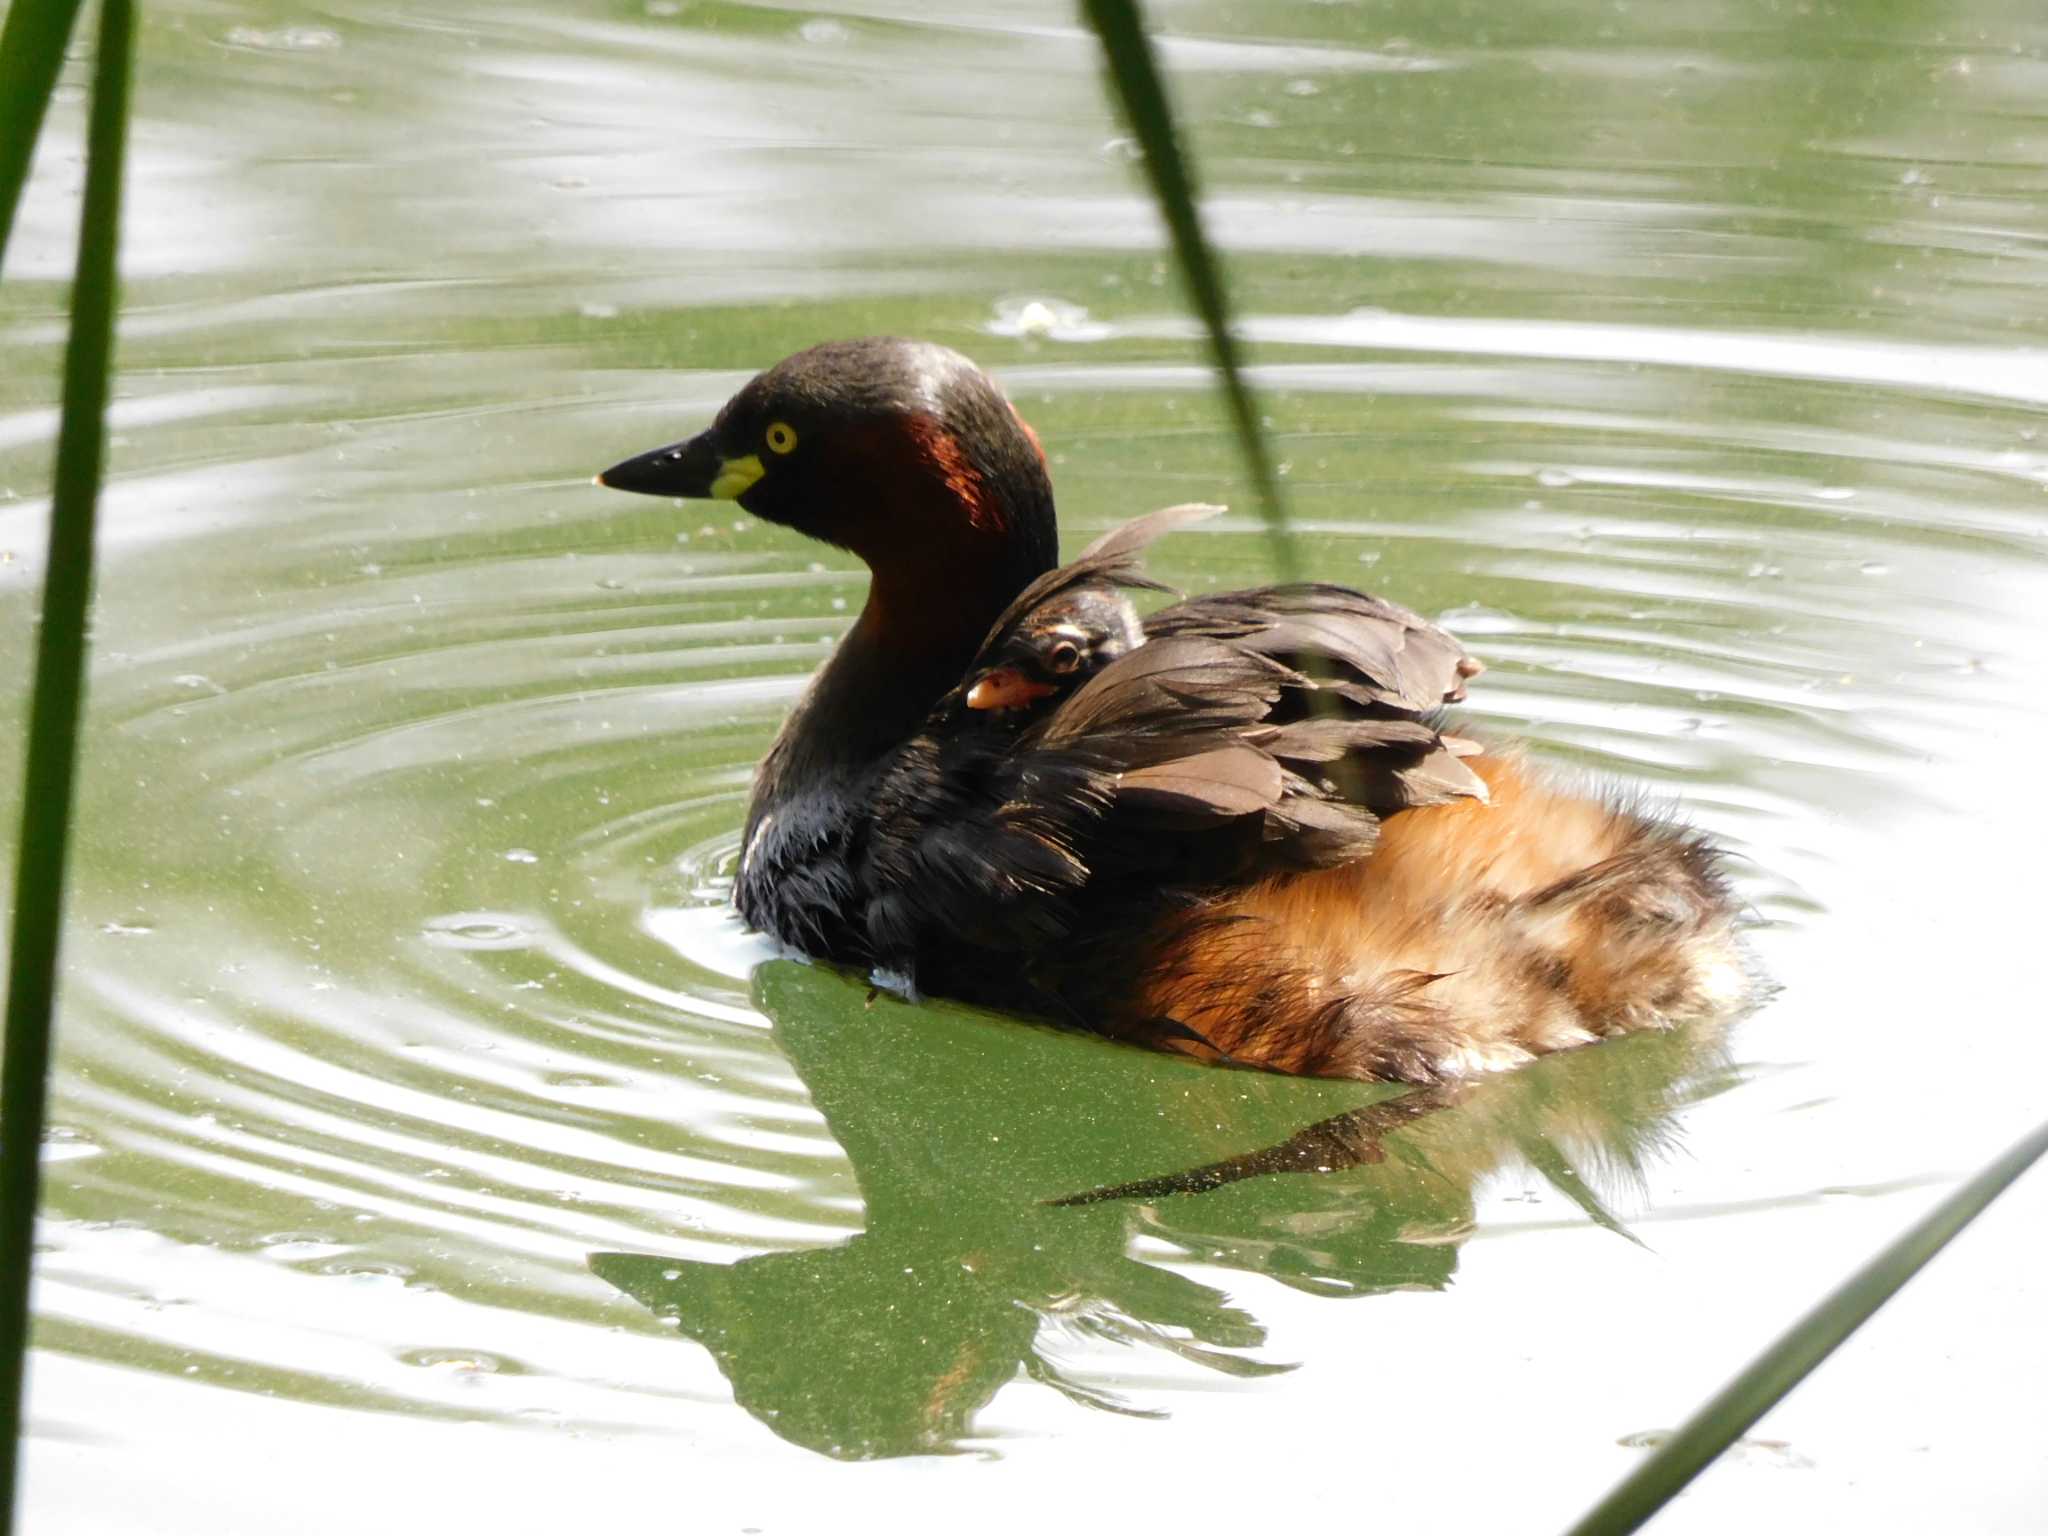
(781, 437)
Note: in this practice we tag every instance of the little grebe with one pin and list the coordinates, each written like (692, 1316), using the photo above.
(1247, 837)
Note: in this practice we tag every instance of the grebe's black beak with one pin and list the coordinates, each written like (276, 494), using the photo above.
(695, 468)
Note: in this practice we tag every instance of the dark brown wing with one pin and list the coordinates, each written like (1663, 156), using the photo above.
(1378, 652)
(1367, 679)
(1251, 732)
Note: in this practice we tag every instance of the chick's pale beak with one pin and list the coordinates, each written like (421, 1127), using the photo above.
(695, 468)
(1006, 688)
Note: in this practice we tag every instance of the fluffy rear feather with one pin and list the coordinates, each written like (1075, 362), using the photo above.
(1474, 938)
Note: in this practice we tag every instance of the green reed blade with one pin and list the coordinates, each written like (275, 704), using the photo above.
(1780, 1368)
(1135, 72)
(31, 53)
(53, 718)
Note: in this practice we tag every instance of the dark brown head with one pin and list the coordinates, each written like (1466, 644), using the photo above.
(901, 451)
(1055, 648)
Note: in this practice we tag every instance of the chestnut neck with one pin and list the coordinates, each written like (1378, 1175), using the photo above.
(931, 602)
(925, 619)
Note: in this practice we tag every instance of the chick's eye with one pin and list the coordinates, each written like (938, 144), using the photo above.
(781, 436)
(1063, 657)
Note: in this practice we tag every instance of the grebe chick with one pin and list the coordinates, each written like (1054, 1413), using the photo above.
(1248, 837)
(951, 792)
(1067, 641)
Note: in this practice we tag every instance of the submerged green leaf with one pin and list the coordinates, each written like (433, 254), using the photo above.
(1134, 70)
(53, 717)
(1780, 1368)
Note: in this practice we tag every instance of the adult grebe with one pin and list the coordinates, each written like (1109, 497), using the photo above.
(1248, 837)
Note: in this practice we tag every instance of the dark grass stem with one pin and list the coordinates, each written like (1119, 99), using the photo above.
(1788, 1361)
(53, 719)
(31, 54)
(1134, 70)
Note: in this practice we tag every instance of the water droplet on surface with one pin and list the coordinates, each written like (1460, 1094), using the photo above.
(456, 1362)
(1477, 619)
(1555, 479)
(1042, 318)
(369, 1271)
(478, 930)
(521, 856)
(65, 1144)
(282, 39)
(1037, 318)
(298, 1247)
(576, 1080)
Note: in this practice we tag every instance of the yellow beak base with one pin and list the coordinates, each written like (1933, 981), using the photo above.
(736, 476)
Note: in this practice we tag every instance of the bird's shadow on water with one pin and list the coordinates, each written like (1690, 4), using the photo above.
(1007, 1169)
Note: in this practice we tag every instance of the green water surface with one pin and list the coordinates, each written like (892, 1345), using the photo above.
(432, 1149)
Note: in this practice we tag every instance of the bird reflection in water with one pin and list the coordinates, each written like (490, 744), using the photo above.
(1007, 1171)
